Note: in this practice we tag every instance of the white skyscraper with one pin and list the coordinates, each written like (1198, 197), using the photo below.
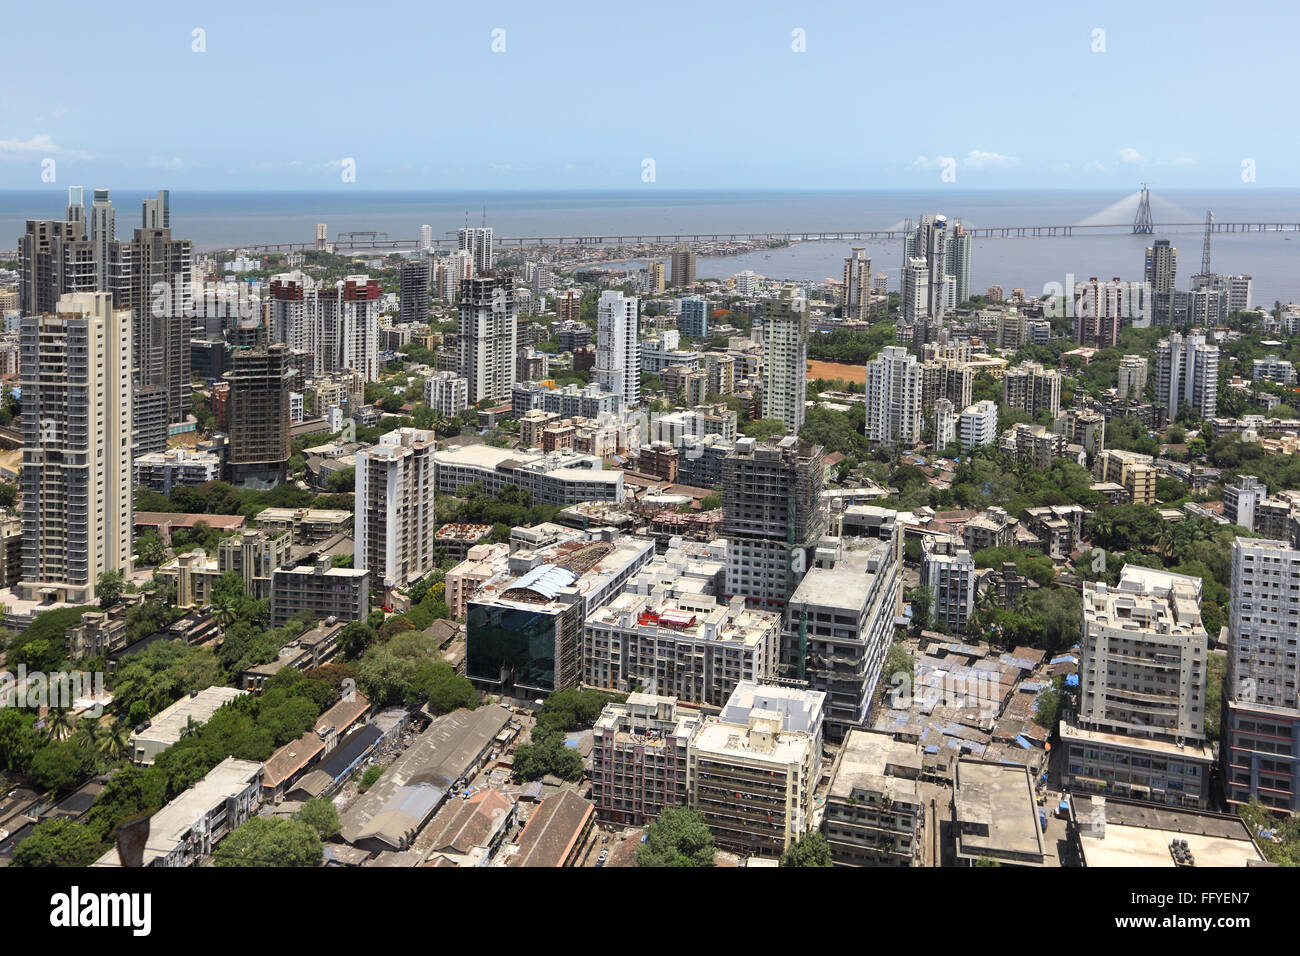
(477, 241)
(957, 264)
(489, 333)
(1241, 293)
(103, 230)
(394, 523)
(893, 397)
(945, 424)
(929, 242)
(948, 570)
(979, 425)
(785, 359)
(350, 326)
(857, 284)
(76, 474)
(1132, 377)
(293, 314)
(618, 346)
(914, 289)
(1260, 695)
(1187, 371)
(426, 239)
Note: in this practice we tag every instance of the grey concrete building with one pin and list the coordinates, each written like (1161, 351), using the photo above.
(772, 517)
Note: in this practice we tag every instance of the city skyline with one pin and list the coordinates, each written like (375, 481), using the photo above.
(798, 65)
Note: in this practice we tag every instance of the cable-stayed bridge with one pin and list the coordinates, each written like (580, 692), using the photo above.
(1114, 218)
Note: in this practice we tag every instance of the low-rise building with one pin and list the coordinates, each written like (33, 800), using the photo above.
(993, 528)
(753, 769)
(99, 633)
(168, 726)
(639, 759)
(163, 471)
(680, 643)
(456, 539)
(483, 564)
(1134, 471)
(555, 832)
(1058, 527)
(995, 815)
(189, 828)
(1110, 832)
(559, 478)
(321, 590)
(468, 832)
(308, 525)
(874, 810)
(453, 749)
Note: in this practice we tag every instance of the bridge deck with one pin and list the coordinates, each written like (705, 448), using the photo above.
(354, 241)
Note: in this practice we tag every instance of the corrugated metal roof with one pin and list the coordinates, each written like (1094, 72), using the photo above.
(546, 580)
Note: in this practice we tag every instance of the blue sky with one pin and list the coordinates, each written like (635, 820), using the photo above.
(883, 96)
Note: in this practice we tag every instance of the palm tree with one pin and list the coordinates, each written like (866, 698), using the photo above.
(191, 727)
(1166, 538)
(88, 733)
(227, 611)
(114, 738)
(59, 724)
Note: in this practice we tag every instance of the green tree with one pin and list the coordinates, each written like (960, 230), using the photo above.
(149, 548)
(810, 850)
(321, 815)
(109, 587)
(922, 600)
(62, 765)
(1047, 710)
(263, 841)
(1217, 669)
(679, 837)
(58, 843)
(764, 429)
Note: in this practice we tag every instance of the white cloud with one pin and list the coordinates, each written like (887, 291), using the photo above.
(39, 145)
(1130, 155)
(925, 162)
(980, 159)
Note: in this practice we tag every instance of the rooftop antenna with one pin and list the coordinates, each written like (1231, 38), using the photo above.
(484, 216)
(1142, 225)
(1205, 249)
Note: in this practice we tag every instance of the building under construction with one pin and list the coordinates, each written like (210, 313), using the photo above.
(258, 411)
(772, 517)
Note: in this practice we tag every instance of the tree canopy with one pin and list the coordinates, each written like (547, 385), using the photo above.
(679, 837)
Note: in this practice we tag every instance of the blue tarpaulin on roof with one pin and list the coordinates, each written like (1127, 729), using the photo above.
(1024, 744)
(1071, 680)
